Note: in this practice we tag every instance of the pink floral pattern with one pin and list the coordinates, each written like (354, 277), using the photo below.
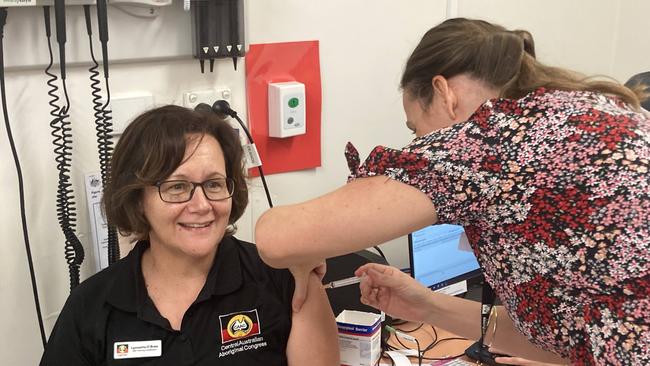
(553, 190)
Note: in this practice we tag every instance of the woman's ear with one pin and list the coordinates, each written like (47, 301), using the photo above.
(445, 94)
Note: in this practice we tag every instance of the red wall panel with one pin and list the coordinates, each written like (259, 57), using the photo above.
(278, 62)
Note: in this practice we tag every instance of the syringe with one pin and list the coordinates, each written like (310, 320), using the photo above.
(344, 282)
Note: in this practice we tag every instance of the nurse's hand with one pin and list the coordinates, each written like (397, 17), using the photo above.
(301, 278)
(393, 291)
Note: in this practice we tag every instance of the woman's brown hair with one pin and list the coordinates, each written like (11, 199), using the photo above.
(501, 58)
(151, 148)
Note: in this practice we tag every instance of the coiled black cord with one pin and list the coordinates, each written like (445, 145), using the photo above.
(96, 90)
(105, 144)
(19, 173)
(105, 153)
(62, 134)
(103, 128)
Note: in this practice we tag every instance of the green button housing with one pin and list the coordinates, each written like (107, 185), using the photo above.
(293, 102)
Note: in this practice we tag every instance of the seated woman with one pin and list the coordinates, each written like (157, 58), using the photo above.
(189, 293)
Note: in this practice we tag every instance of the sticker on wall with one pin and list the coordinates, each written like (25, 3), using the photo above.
(277, 63)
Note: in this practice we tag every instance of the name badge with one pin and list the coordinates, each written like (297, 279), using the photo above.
(137, 349)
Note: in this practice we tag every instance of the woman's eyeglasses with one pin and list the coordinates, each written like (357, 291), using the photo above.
(179, 191)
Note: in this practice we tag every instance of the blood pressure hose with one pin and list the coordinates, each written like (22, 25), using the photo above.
(62, 134)
(103, 119)
(21, 190)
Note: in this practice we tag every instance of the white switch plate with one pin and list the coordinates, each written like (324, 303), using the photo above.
(126, 106)
(192, 98)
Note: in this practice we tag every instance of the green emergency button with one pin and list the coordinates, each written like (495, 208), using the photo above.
(293, 102)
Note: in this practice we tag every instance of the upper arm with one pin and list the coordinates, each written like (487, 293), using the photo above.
(314, 336)
(363, 213)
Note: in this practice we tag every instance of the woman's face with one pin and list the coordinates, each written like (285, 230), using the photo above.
(454, 100)
(420, 120)
(192, 228)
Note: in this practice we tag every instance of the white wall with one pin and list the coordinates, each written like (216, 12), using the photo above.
(363, 47)
(591, 36)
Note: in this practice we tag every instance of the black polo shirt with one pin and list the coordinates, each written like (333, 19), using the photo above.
(242, 316)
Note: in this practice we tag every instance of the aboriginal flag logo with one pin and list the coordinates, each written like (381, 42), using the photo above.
(122, 348)
(239, 325)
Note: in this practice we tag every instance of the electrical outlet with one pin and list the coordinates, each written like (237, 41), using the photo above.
(193, 98)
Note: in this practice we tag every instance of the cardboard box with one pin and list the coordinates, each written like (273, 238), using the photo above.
(359, 337)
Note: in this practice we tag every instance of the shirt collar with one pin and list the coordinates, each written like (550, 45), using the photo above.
(129, 292)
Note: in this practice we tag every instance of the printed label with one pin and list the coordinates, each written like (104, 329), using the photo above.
(17, 3)
(137, 349)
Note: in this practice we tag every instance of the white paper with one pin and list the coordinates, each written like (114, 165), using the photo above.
(399, 358)
(252, 156)
(99, 229)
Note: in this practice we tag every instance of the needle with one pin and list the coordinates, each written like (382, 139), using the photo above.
(344, 282)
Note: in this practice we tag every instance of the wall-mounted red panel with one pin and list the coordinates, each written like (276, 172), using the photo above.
(278, 62)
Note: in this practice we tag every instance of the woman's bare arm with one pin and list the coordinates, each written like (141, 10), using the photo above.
(314, 335)
(363, 213)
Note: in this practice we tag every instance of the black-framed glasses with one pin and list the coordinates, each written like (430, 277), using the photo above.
(179, 191)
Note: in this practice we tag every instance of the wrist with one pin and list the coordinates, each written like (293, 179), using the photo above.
(431, 308)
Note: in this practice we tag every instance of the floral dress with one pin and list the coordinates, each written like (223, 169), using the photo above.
(553, 190)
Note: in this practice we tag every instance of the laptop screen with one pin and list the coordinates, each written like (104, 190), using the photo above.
(436, 259)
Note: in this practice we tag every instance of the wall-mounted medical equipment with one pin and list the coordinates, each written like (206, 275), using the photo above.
(61, 129)
(217, 30)
(61, 132)
(279, 63)
(287, 109)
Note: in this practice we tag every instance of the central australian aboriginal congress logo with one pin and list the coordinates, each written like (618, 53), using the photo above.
(239, 325)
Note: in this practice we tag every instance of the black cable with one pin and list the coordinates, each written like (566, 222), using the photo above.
(259, 167)
(96, 92)
(420, 353)
(411, 330)
(222, 108)
(102, 24)
(94, 80)
(398, 322)
(96, 100)
(417, 343)
(435, 341)
(62, 133)
(105, 127)
(381, 253)
(59, 14)
(105, 156)
(19, 173)
(442, 358)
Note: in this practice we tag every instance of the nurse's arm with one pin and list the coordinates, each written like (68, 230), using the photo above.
(363, 213)
(314, 335)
